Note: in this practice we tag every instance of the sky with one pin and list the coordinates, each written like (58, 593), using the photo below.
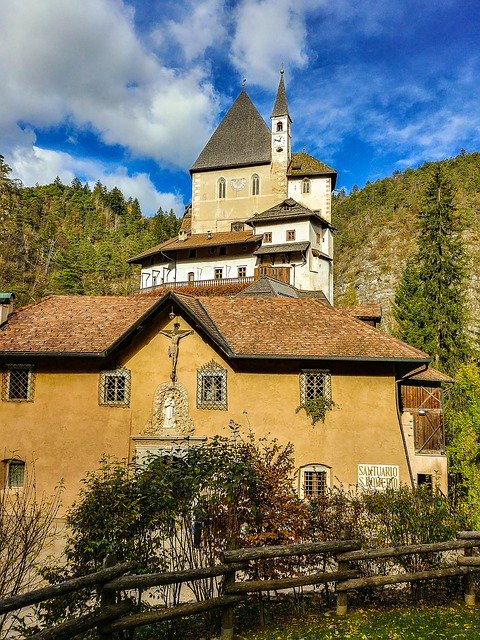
(128, 92)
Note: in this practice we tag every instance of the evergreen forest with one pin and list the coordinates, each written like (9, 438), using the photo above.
(71, 239)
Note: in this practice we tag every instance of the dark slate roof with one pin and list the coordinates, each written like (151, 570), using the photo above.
(288, 247)
(242, 138)
(303, 164)
(268, 287)
(286, 210)
(280, 108)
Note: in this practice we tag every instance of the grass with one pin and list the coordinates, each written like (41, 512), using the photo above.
(420, 622)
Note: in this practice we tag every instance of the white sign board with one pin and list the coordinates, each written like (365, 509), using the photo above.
(378, 477)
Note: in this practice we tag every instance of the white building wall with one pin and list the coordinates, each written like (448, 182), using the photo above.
(319, 198)
(279, 230)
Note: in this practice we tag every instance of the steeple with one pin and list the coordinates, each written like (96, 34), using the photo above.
(280, 108)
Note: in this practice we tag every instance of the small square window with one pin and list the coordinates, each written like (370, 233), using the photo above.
(314, 481)
(314, 383)
(212, 387)
(242, 272)
(267, 237)
(18, 383)
(114, 388)
(218, 273)
(290, 235)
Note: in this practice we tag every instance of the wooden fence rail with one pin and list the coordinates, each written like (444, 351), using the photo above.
(116, 612)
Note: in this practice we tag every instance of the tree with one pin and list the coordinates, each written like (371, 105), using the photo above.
(430, 302)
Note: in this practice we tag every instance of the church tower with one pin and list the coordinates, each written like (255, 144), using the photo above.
(281, 139)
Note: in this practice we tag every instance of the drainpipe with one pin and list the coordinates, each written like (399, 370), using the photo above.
(399, 416)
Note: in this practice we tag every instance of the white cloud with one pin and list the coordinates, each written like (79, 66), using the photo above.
(37, 165)
(82, 60)
(268, 33)
(202, 26)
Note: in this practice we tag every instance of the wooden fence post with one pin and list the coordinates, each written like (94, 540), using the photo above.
(227, 612)
(342, 596)
(107, 597)
(469, 584)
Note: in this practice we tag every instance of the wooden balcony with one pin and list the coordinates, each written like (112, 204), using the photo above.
(215, 282)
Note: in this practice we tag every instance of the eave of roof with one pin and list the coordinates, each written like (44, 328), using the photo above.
(288, 247)
(288, 209)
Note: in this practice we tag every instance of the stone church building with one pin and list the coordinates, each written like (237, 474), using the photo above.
(166, 368)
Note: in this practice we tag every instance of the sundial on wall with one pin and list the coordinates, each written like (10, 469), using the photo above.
(238, 183)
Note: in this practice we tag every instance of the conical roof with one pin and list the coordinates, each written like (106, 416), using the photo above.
(242, 138)
(280, 108)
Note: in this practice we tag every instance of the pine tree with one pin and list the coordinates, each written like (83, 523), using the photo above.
(430, 302)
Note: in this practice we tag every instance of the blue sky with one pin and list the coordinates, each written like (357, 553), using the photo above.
(129, 92)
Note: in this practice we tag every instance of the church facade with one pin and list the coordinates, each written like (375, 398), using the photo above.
(257, 209)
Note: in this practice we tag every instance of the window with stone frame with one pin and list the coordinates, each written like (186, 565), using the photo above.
(305, 185)
(255, 185)
(212, 387)
(114, 388)
(15, 474)
(314, 383)
(18, 383)
(314, 480)
(222, 188)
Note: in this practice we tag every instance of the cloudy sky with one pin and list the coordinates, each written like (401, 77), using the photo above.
(128, 91)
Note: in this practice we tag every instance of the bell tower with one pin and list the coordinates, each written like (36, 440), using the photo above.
(281, 139)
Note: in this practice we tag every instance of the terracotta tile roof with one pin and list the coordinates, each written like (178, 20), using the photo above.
(242, 138)
(198, 240)
(430, 375)
(364, 311)
(72, 324)
(300, 327)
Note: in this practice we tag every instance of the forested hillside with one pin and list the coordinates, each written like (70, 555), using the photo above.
(71, 239)
(377, 228)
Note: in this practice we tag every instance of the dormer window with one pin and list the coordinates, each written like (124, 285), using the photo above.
(222, 188)
(279, 126)
(306, 185)
(255, 185)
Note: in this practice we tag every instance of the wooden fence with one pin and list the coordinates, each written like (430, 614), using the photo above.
(116, 612)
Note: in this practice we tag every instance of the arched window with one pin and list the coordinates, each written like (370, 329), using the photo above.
(279, 126)
(222, 188)
(306, 185)
(255, 185)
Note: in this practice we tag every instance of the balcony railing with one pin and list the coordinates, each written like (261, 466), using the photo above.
(214, 282)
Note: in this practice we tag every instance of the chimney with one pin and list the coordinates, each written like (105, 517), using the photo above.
(182, 236)
(6, 306)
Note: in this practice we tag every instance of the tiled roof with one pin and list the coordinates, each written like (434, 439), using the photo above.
(288, 247)
(364, 311)
(271, 287)
(198, 240)
(242, 138)
(286, 210)
(72, 324)
(300, 327)
(428, 375)
(303, 164)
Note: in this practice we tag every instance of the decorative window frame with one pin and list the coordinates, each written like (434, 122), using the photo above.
(255, 182)
(9, 383)
(314, 481)
(321, 379)
(115, 396)
(210, 394)
(222, 188)
(306, 185)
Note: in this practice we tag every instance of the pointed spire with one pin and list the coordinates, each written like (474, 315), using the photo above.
(280, 108)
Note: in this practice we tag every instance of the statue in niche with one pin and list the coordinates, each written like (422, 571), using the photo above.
(170, 412)
(175, 336)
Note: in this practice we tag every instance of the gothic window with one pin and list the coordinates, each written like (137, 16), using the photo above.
(18, 383)
(279, 126)
(290, 235)
(114, 388)
(255, 185)
(314, 480)
(222, 188)
(212, 387)
(305, 185)
(314, 383)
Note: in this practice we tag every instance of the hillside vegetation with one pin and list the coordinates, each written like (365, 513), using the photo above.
(72, 239)
(377, 228)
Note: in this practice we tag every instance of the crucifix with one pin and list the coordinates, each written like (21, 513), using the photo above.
(175, 336)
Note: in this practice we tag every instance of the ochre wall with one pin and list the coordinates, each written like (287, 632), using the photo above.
(67, 432)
